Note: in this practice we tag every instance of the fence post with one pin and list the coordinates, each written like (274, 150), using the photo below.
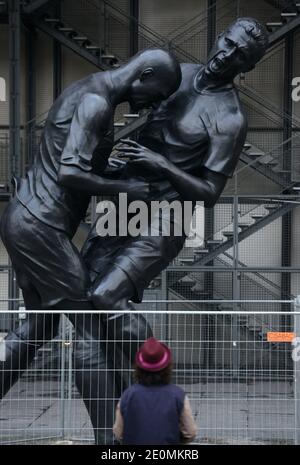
(63, 374)
(236, 347)
(297, 371)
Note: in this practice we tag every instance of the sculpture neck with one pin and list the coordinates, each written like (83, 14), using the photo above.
(203, 82)
(121, 80)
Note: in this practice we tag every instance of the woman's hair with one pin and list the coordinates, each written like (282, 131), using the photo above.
(150, 378)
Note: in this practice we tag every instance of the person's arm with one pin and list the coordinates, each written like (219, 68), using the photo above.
(89, 124)
(187, 424)
(226, 131)
(115, 168)
(119, 423)
(207, 187)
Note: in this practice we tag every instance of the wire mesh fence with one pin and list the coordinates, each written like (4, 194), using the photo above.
(239, 369)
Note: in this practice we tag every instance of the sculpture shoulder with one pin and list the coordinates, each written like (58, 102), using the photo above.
(228, 115)
(188, 72)
(93, 105)
(187, 68)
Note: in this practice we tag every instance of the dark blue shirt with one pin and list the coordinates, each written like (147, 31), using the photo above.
(151, 415)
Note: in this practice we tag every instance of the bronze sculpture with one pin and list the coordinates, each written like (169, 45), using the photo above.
(188, 149)
(51, 201)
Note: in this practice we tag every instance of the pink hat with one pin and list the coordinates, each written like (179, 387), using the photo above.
(153, 355)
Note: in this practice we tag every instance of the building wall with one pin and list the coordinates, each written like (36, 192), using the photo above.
(185, 25)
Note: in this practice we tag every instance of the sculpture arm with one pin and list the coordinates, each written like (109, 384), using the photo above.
(226, 137)
(206, 187)
(91, 122)
(115, 168)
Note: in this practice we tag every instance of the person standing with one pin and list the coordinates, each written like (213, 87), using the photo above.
(153, 410)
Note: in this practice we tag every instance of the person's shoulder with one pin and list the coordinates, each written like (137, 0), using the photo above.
(93, 105)
(127, 393)
(177, 389)
(230, 114)
(189, 70)
(185, 67)
(131, 389)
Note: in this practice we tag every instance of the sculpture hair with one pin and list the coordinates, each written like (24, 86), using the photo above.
(257, 31)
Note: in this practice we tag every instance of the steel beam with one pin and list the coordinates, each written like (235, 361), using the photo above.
(14, 86)
(264, 170)
(131, 127)
(286, 237)
(245, 233)
(134, 27)
(31, 94)
(57, 62)
(34, 5)
(69, 43)
(278, 35)
(209, 212)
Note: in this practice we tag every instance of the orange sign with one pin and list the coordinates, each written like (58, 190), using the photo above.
(280, 337)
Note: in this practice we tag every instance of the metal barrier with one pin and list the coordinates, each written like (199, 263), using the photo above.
(240, 370)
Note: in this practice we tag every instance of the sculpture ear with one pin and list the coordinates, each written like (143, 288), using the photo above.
(147, 73)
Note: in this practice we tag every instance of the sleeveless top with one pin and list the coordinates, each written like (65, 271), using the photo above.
(151, 414)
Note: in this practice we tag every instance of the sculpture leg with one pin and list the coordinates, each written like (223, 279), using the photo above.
(93, 369)
(124, 332)
(22, 344)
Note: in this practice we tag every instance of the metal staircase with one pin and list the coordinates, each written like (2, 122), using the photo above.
(288, 21)
(75, 40)
(30, 6)
(212, 248)
(252, 329)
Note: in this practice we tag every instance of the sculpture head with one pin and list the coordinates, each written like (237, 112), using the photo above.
(237, 50)
(157, 74)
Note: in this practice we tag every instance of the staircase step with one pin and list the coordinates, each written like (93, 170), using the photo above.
(154, 283)
(201, 251)
(187, 279)
(187, 260)
(257, 217)
(214, 241)
(271, 165)
(243, 226)
(119, 125)
(200, 292)
(279, 171)
(274, 24)
(108, 57)
(228, 234)
(131, 115)
(80, 38)
(288, 15)
(271, 207)
(254, 328)
(92, 47)
(255, 154)
(66, 29)
(247, 146)
(52, 20)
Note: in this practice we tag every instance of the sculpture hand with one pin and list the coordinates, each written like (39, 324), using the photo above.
(138, 155)
(138, 190)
